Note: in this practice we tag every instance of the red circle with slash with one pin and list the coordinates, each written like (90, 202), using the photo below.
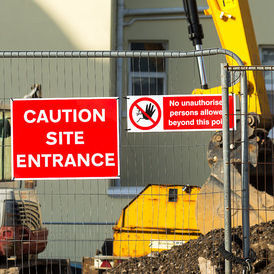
(154, 122)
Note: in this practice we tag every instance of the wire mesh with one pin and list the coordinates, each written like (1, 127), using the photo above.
(260, 168)
(167, 168)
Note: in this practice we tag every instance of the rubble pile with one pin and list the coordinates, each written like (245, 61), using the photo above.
(203, 255)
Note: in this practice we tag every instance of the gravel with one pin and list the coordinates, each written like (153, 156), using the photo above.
(184, 258)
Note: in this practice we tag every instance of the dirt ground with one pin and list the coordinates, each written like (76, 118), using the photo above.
(186, 258)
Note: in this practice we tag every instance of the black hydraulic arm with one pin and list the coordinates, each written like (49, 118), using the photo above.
(195, 31)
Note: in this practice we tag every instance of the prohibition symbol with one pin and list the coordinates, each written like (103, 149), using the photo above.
(145, 113)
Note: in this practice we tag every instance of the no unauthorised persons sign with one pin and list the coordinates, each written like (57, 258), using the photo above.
(66, 138)
(177, 113)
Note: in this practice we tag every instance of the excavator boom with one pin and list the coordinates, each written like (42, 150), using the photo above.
(233, 23)
(234, 26)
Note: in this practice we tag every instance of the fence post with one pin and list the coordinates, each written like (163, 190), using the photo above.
(244, 168)
(226, 159)
(119, 70)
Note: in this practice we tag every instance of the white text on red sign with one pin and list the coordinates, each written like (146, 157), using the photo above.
(66, 138)
(177, 113)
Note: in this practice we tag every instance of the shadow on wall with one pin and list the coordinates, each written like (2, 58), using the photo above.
(25, 26)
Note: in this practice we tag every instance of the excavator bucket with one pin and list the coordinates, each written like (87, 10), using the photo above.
(210, 203)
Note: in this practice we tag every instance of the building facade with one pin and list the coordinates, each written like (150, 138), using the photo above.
(80, 214)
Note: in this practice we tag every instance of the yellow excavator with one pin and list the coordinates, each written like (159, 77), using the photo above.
(234, 26)
(162, 216)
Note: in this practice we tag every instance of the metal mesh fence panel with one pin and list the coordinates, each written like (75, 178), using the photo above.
(260, 169)
(154, 204)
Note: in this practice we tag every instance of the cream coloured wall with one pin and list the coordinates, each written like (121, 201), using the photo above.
(86, 23)
(55, 24)
(59, 25)
(62, 25)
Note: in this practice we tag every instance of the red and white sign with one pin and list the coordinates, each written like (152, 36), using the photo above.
(145, 113)
(177, 113)
(72, 138)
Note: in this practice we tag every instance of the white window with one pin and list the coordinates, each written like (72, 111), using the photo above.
(267, 58)
(147, 76)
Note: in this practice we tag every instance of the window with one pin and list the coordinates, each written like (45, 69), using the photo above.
(173, 195)
(147, 76)
(5, 147)
(267, 58)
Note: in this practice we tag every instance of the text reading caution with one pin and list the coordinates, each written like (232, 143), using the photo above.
(177, 113)
(65, 138)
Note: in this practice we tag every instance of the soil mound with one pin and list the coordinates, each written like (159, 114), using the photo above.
(203, 255)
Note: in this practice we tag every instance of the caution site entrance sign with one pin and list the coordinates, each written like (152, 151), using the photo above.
(177, 113)
(65, 138)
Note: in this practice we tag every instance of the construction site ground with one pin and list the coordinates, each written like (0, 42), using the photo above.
(203, 255)
(35, 266)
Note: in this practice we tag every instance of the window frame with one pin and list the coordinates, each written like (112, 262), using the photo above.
(160, 75)
(269, 87)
